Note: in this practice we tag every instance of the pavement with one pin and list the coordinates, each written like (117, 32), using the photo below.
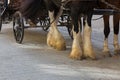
(34, 60)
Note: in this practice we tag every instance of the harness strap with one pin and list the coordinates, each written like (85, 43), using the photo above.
(110, 5)
(97, 18)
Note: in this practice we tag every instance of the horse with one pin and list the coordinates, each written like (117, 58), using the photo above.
(78, 8)
(54, 37)
(116, 19)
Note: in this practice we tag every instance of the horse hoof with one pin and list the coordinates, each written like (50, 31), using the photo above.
(60, 47)
(90, 55)
(76, 56)
(106, 54)
(116, 56)
(49, 43)
(93, 57)
(117, 52)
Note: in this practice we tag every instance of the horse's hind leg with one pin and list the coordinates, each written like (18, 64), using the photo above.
(106, 51)
(54, 38)
(116, 19)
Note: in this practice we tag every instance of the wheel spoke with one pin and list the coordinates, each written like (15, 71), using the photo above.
(18, 27)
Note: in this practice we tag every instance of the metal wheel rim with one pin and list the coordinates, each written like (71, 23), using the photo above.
(18, 29)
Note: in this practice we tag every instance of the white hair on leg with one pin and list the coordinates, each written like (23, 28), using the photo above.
(54, 38)
(49, 36)
(106, 51)
(8, 1)
(116, 44)
(76, 52)
(87, 43)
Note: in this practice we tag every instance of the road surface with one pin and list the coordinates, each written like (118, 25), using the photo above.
(34, 60)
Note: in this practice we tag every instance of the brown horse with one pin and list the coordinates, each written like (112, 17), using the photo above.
(116, 19)
(30, 9)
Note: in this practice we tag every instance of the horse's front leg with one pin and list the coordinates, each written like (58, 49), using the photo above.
(116, 19)
(54, 38)
(76, 52)
(87, 43)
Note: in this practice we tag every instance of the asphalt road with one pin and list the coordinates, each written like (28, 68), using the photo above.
(34, 60)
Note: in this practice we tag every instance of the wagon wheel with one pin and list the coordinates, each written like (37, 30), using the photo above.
(69, 27)
(18, 27)
(0, 22)
(0, 18)
(45, 24)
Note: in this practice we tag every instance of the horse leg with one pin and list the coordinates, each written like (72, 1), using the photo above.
(54, 38)
(116, 19)
(106, 51)
(76, 52)
(87, 43)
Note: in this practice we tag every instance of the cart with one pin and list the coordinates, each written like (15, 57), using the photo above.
(11, 13)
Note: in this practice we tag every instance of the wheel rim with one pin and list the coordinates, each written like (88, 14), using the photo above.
(0, 19)
(18, 28)
(69, 27)
(0, 22)
(45, 24)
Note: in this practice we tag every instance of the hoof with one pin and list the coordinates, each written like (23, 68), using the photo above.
(117, 56)
(55, 43)
(60, 47)
(49, 40)
(93, 57)
(89, 54)
(56, 40)
(58, 44)
(117, 52)
(106, 54)
(75, 54)
(76, 57)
